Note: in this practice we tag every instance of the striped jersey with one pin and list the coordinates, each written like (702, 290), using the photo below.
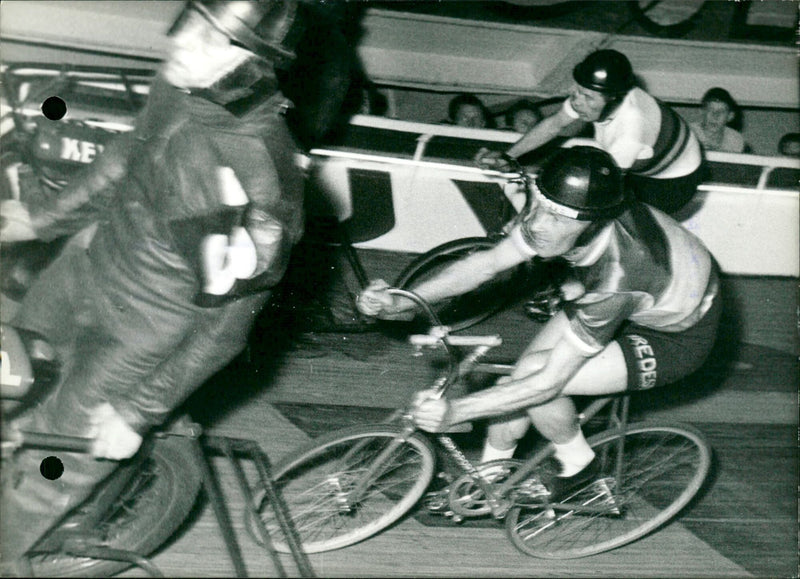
(642, 267)
(646, 137)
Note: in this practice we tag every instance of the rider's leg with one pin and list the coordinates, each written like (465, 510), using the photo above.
(501, 439)
(557, 420)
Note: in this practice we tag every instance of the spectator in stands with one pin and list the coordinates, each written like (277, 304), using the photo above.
(467, 110)
(789, 145)
(523, 116)
(715, 132)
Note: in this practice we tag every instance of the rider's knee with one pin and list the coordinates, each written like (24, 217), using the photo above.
(503, 435)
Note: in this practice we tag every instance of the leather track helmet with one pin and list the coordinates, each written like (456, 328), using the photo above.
(268, 28)
(582, 183)
(605, 71)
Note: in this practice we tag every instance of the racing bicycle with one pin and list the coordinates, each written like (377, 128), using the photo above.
(348, 485)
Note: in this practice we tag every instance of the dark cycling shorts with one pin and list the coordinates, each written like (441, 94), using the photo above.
(656, 358)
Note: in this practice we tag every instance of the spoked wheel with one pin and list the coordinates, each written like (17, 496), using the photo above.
(467, 309)
(319, 485)
(151, 505)
(664, 467)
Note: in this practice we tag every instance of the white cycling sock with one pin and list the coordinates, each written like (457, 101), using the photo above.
(492, 453)
(574, 455)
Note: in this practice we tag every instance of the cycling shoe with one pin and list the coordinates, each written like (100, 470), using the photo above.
(560, 487)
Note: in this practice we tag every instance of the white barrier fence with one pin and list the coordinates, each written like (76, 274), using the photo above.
(748, 214)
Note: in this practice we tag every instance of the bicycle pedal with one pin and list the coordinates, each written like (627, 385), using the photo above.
(437, 502)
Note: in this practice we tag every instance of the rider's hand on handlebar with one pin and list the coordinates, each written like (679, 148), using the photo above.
(496, 160)
(375, 299)
(16, 222)
(114, 439)
(430, 412)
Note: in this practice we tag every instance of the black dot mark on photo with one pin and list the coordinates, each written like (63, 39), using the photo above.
(51, 468)
(54, 108)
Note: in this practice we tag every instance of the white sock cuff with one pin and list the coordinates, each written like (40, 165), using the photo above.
(491, 453)
(574, 455)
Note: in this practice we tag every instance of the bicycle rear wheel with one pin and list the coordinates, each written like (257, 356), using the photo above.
(316, 484)
(152, 504)
(664, 467)
(468, 309)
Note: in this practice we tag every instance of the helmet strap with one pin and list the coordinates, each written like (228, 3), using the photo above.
(588, 234)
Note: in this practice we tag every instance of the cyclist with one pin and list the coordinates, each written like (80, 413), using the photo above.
(649, 140)
(195, 212)
(642, 310)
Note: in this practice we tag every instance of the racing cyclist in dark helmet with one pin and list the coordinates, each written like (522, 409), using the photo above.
(194, 212)
(654, 146)
(642, 310)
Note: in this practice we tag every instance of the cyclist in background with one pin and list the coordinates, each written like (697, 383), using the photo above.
(641, 310)
(647, 139)
(195, 212)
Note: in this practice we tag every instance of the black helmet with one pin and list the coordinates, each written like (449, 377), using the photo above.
(583, 183)
(268, 28)
(605, 71)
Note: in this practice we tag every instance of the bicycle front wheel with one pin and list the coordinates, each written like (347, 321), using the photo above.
(317, 484)
(467, 309)
(664, 467)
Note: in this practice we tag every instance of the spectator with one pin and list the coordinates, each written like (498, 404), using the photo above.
(651, 142)
(523, 116)
(789, 145)
(467, 110)
(714, 130)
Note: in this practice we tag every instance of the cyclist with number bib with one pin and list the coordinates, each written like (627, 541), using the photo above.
(641, 310)
(656, 148)
(195, 211)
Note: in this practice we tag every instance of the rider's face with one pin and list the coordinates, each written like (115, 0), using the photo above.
(550, 233)
(587, 103)
(200, 54)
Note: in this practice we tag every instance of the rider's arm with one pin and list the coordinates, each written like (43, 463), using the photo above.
(527, 388)
(462, 276)
(541, 133)
(78, 204)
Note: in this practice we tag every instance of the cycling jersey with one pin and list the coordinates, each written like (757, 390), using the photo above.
(647, 137)
(642, 267)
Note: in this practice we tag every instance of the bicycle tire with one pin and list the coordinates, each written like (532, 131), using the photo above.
(152, 506)
(313, 485)
(468, 309)
(656, 486)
